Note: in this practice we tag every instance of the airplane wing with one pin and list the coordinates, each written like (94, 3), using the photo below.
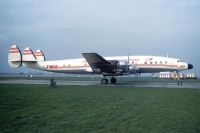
(98, 63)
(93, 59)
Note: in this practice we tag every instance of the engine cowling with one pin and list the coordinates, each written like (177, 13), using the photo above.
(131, 68)
(126, 67)
(122, 63)
(121, 67)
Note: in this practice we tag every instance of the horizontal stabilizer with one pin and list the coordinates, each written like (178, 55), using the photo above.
(28, 55)
(39, 55)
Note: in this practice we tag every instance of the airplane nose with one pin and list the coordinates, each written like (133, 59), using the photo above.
(190, 66)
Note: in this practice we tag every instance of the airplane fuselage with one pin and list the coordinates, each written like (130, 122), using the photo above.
(141, 64)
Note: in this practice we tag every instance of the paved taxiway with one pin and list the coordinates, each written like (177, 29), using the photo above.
(87, 83)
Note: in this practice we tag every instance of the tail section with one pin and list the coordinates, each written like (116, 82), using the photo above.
(14, 57)
(27, 58)
(28, 55)
(39, 55)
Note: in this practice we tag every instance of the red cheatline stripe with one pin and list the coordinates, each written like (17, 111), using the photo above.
(38, 52)
(149, 65)
(27, 50)
(13, 51)
(61, 67)
(39, 55)
(27, 53)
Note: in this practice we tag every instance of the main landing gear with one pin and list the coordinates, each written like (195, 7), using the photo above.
(104, 81)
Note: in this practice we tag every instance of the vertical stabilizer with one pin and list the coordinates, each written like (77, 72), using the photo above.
(14, 57)
(39, 55)
(28, 55)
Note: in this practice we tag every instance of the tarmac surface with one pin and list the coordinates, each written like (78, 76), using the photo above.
(88, 83)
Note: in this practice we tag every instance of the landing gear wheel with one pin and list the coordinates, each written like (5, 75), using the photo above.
(104, 81)
(113, 80)
(180, 82)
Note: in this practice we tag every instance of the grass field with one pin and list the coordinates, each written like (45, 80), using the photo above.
(98, 109)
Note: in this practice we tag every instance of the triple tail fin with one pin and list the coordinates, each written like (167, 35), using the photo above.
(14, 57)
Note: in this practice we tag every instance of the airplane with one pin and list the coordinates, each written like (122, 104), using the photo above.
(93, 63)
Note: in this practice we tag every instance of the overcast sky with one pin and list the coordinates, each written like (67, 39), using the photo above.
(66, 28)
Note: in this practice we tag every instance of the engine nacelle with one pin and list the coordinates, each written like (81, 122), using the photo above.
(126, 67)
(122, 63)
(131, 68)
(121, 67)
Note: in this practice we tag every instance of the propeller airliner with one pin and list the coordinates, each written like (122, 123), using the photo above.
(93, 63)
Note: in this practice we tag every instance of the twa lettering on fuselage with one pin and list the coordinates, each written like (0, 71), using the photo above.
(52, 67)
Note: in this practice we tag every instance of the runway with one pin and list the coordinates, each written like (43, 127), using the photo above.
(88, 83)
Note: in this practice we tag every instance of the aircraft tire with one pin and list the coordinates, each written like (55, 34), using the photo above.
(113, 80)
(104, 81)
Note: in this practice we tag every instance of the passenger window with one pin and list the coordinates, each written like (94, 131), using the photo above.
(165, 62)
(156, 62)
(150, 62)
(145, 62)
(161, 62)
